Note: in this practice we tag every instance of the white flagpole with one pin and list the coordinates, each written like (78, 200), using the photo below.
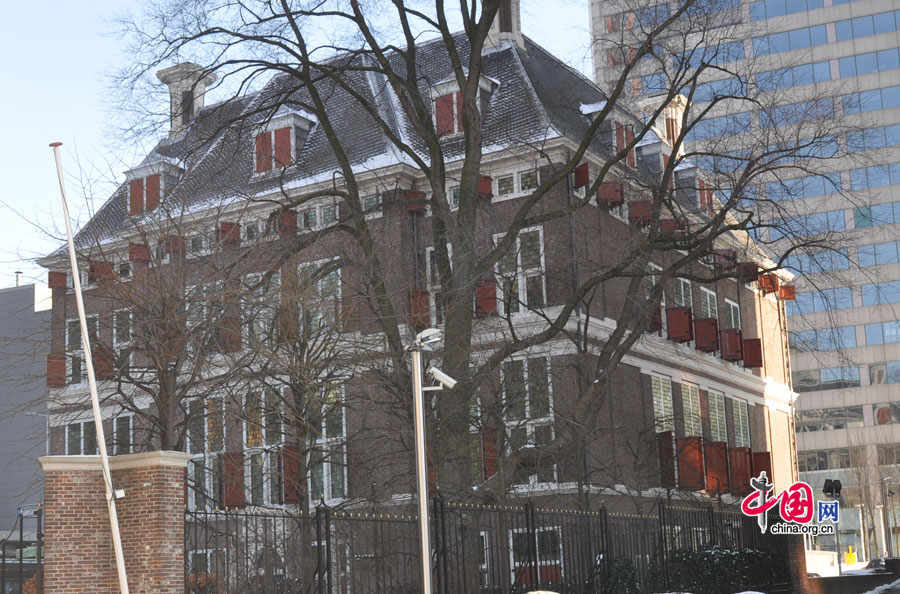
(92, 383)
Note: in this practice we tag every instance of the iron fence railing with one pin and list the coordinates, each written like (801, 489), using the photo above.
(22, 553)
(476, 548)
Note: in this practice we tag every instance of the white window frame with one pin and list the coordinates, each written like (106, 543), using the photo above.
(663, 408)
(433, 286)
(209, 243)
(678, 293)
(718, 420)
(740, 412)
(269, 451)
(690, 405)
(650, 281)
(517, 191)
(122, 348)
(437, 94)
(115, 433)
(207, 458)
(326, 443)
(82, 424)
(318, 314)
(529, 423)
(522, 275)
(514, 565)
(208, 554)
(732, 315)
(260, 313)
(709, 303)
(78, 351)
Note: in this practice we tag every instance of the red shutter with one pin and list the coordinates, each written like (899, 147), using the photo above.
(486, 297)
(752, 352)
(691, 476)
(620, 137)
(489, 447)
(640, 212)
(740, 470)
(136, 197)
(101, 272)
(672, 227)
(229, 233)
(415, 201)
(706, 331)
(418, 309)
(655, 323)
(233, 482)
(610, 194)
(716, 467)
(176, 244)
(768, 283)
(761, 462)
(290, 469)
(681, 326)
(287, 222)
(732, 347)
(582, 175)
(283, 147)
(56, 370)
(724, 259)
(104, 366)
(629, 138)
(263, 152)
(56, 280)
(787, 293)
(747, 271)
(138, 253)
(443, 115)
(485, 186)
(459, 112)
(666, 454)
(230, 334)
(152, 192)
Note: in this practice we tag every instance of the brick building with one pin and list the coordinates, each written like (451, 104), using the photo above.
(240, 312)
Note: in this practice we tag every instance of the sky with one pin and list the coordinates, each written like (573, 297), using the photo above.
(56, 81)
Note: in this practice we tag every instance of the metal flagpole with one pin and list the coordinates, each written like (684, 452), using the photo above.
(95, 401)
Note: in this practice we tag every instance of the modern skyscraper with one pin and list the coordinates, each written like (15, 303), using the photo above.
(803, 61)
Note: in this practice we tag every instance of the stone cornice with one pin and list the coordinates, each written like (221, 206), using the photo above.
(127, 461)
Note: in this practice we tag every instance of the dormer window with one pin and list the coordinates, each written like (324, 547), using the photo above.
(448, 114)
(274, 149)
(143, 194)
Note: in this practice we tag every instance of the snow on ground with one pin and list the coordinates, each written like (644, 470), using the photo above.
(886, 589)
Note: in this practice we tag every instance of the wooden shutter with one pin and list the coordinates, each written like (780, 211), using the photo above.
(287, 222)
(419, 309)
(104, 366)
(761, 462)
(740, 470)
(56, 280)
(136, 197)
(666, 454)
(629, 138)
(486, 297)
(290, 471)
(233, 470)
(620, 137)
(582, 175)
(152, 192)
(706, 330)
(690, 463)
(263, 152)
(443, 115)
(752, 352)
(680, 322)
(717, 467)
(229, 233)
(283, 147)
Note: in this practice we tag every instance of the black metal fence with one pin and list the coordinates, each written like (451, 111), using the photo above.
(22, 553)
(483, 549)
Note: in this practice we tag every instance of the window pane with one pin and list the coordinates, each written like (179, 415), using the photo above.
(538, 388)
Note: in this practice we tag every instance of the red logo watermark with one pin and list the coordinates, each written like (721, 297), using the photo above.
(796, 506)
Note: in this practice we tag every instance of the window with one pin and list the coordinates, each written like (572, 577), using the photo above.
(873, 138)
(433, 284)
(785, 78)
(75, 349)
(881, 293)
(827, 419)
(732, 315)
(790, 40)
(719, 126)
(873, 100)
(708, 304)
(867, 63)
(448, 118)
(690, 400)
(767, 9)
(794, 113)
(726, 87)
(506, 185)
(320, 297)
(528, 415)
(547, 544)
(864, 26)
(884, 373)
(883, 333)
(123, 435)
(274, 149)
(826, 339)
(713, 55)
(818, 261)
(803, 187)
(718, 430)
(876, 215)
(327, 460)
(682, 297)
(206, 441)
(123, 334)
(520, 272)
(830, 378)
(820, 301)
(812, 460)
(263, 437)
(662, 403)
(81, 439)
(261, 303)
(741, 422)
(814, 224)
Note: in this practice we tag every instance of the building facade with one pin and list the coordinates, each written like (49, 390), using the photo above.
(822, 61)
(239, 311)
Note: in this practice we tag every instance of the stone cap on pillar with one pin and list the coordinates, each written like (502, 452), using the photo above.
(123, 462)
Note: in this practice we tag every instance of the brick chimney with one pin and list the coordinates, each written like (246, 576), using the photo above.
(507, 25)
(187, 84)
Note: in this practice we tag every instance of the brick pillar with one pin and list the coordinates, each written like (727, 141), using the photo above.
(78, 549)
(797, 564)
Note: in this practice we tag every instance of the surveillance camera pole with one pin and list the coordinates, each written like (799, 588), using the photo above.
(421, 468)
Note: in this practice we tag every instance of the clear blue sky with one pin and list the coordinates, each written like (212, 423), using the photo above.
(55, 90)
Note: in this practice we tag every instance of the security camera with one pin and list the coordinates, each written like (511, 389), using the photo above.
(444, 379)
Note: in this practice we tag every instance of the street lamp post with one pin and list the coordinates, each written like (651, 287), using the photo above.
(833, 488)
(886, 517)
(424, 341)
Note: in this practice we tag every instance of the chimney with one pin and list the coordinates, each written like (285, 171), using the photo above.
(187, 84)
(507, 25)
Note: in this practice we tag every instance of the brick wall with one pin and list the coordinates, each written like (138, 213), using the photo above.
(79, 553)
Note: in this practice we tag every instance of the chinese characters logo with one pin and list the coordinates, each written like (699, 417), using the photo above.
(795, 506)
